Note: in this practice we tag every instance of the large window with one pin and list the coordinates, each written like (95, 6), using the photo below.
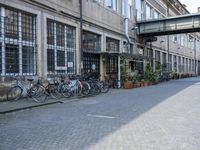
(129, 10)
(111, 4)
(179, 64)
(139, 9)
(170, 62)
(112, 45)
(112, 65)
(61, 48)
(175, 62)
(183, 66)
(157, 60)
(186, 60)
(91, 42)
(164, 58)
(17, 54)
(148, 12)
(190, 65)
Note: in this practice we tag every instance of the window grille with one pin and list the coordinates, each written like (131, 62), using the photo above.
(91, 42)
(91, 63)
(11, 23)
(61, 48)
(112, 45)
(17, 42)
(112, 65)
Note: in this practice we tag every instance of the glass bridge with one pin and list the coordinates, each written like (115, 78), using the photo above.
(172, 25)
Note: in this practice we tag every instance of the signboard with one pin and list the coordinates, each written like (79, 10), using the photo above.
(93, 67)
(60, 68)
(70, 64)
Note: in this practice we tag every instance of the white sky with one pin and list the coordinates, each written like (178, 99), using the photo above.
(191, 5)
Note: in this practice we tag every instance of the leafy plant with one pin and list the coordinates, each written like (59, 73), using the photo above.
(149, 75)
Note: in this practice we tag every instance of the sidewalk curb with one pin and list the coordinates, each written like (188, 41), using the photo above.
(29, 107)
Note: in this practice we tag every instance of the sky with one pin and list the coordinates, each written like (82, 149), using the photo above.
(191, 5)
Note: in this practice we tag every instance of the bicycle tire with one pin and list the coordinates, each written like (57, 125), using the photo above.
(96, 89)
(66, 91)
(54, 92)
(85, 88)
(14, 93)
(104, 86)
(38, 93)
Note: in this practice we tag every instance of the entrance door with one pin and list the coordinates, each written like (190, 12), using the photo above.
(91, 63)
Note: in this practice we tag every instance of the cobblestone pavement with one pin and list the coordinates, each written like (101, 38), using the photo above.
(161, 117)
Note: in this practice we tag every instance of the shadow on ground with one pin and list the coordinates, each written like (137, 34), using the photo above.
(80, 124)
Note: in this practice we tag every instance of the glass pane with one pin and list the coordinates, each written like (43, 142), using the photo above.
(28, 59)
(11, 24)
(27, 27)
(60, 58)
(50, 60)
(60, 32)
(12, 58)
(70, 37)
(112, 45)
(50, 32)
(91, 42)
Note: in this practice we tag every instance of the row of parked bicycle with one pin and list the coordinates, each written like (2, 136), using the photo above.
(57, 87)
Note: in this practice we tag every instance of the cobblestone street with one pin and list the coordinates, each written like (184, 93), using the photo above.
(160, 117)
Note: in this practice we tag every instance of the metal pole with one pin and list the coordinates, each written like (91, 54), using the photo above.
(119, 73)
(81, 36)
(168, 44)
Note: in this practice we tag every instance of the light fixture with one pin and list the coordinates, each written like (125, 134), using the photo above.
(162, 41)
(135, 28)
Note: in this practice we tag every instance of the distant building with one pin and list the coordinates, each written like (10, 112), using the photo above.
(198, 9)
(42, 38)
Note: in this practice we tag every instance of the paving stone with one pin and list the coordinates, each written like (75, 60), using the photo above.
(161, 117)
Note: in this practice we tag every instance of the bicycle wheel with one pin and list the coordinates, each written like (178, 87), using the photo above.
(37, 93)
(66, 91)
(85, 88)
(14, 93)
(54, 92)
(96, 89)
(104, 87)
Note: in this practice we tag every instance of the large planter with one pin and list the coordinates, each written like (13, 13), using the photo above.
(138, 84)
(146, 84)
(128, 85)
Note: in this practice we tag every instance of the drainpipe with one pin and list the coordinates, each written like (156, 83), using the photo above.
(126, 21)
(127, 38)
(81, 36)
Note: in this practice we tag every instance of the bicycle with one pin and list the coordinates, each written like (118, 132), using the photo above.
(76, 86)
(34, 91)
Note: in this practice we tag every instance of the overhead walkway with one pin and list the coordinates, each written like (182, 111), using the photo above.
(172, 25)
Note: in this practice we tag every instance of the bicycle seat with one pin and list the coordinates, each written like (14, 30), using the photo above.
(30, 80)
